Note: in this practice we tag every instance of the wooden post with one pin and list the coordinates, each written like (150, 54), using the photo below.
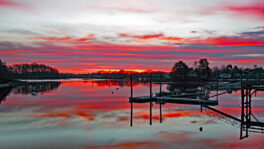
(160, 113)
(131, 115)
(160, 86)
(131, 100)
(247, 110)
(150, 104)
(160, 101)
(249, 105)
(150, 109)
(246, 105)
(242, 106)
(217, 90)
(242, 113)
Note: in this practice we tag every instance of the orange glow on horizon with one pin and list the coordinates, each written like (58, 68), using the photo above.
(126, 71)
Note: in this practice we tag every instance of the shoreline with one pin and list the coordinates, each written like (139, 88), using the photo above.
(11, 83)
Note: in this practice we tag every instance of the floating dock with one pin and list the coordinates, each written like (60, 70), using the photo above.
(204, 100)
(168, 99)
(183, 98)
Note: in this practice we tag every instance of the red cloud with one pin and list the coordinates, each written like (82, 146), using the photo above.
(248, 61)
(152, 36)
(64, 115)
(66, 39)
(93, 56)
(172, 38)
(85, 115)
(52, 38)
(227, 41)
(53, 115)
(15, 51)
(7, 3)
(215, 41)
(167, 115)
(149, 36)
(255, 9)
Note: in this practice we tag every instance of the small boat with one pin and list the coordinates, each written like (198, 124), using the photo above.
(34, 94)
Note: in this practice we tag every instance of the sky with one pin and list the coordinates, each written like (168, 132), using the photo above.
(83, 36)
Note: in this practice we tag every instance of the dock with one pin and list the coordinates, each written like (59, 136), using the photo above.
(246, 125)
(166, 97)
(169, 99)
(248, 122)
(162, 98)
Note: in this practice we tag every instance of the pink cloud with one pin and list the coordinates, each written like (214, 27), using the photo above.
(66, 39)
(7, 3)
(255, 9)
(215, 41)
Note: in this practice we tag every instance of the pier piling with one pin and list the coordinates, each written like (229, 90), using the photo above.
(160, 101)
(131, 104)
(150, 104)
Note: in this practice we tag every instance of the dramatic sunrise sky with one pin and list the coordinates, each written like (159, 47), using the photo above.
(89, 35)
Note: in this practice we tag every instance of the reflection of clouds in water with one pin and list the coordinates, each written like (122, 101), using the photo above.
(79, 115)
(183, 139)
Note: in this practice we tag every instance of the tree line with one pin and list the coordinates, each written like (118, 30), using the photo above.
(201, 71)
(33, 71)
(180, 71)
(4, 73)
(26, 71)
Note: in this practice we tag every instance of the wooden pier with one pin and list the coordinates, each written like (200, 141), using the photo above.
(247, 122)
(245, 125)
(159, 99)
(184, 98)
(169, 99)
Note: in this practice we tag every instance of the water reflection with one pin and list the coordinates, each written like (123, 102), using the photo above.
(28, 88)
(85, 114)
(246, 124)
(37, 87)
(5, 91)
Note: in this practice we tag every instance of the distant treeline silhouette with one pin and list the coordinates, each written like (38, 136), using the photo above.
(180, 71)
(5, 76)
(201, 71)
(33, 71)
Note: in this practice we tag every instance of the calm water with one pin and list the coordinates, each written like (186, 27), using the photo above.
(96, 114)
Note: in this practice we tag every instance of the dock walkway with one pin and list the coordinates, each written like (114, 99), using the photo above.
(168, 99)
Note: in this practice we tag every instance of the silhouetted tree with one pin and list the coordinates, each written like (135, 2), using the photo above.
(229, 68)
(203, 70)
(179, 71)
(4, 74)
(215, 72)
(236, 69)
(33, 71)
